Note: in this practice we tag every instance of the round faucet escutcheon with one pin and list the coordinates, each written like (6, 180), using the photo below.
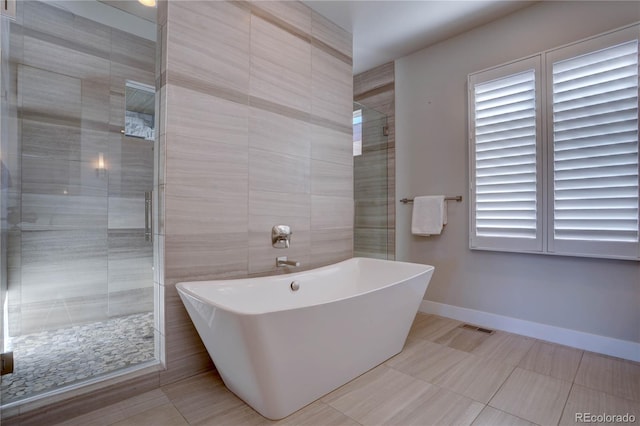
(295, 286)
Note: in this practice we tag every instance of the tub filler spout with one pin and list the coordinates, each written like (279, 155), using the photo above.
(283, 261)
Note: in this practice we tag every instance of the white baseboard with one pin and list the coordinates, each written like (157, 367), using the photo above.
(564, 336)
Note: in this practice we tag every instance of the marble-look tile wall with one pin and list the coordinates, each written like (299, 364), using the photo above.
(256, 131)
(376, 211)
(78, 252)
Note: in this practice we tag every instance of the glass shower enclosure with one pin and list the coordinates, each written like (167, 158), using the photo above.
(371, 186)
(77, 151)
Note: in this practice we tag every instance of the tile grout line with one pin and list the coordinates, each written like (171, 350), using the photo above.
(573, 379)
(514, 366)
(595, 389)
(328, 404)
(564, 407)
(477, 415)
(500, 388)
(513, 415)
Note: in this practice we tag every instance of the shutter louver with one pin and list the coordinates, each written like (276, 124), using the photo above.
(595, 130)
(505, 157)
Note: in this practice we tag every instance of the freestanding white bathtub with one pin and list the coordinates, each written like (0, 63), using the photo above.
(280, 349)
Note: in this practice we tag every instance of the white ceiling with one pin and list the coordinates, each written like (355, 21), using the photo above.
(385, 30)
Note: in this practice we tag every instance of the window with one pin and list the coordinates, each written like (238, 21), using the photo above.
(555, 170)
(357, 132)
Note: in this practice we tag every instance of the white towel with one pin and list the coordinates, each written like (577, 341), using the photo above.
(429, 215)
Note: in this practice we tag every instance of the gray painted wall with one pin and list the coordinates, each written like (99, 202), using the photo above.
(601, 297)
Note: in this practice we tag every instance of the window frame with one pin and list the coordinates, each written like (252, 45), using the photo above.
(545, 243)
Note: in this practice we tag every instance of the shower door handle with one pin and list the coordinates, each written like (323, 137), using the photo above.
(148, 216)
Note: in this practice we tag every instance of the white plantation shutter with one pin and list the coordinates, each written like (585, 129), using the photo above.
(554, 153)
(594, 132)
(505, 157)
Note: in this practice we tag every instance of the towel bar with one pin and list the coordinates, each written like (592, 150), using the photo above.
(457, 198)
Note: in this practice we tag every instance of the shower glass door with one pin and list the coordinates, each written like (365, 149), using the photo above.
(4, 185)
(370, 177)
(76, 219)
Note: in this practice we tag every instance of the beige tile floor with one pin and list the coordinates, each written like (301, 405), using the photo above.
(446, 375)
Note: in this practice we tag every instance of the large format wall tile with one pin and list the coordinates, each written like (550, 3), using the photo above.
(373, 137)
(14, 280)
(95, 104)
(30, 317)
(41, 175)
(381, 76)
(207, 185)
(268, 209)
(241, 159)
(329, 212)
(130, 260)
(371, 213)
(270, 131)
(368, 241)
(269, 171)
(331, 245)
(192, 210)
(331, 145)
(262, 256)
(332, 35)
(63, 27)
(56, 21)
(279, 204)
(44, 212)
(133, 51)
(68, 262)
(117, 103)
(129, 166)
(130, 301)
(205, 116)
(280, 66)
(206, 256)
(331, 179)
(331, 78)
(206, 162)
(297, 15)
(209, 41)
(59, 140)
(87, 309)
(63, 59)
(126, 213)
(370, 174)
(94, 140)
(49, 94)
(120, 73)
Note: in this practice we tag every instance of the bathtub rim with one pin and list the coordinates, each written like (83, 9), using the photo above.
(224, 282)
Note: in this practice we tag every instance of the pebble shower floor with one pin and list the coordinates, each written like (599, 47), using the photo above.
(51, 359)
